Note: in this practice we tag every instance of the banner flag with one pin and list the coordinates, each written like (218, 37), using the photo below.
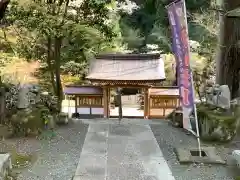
(180, 45)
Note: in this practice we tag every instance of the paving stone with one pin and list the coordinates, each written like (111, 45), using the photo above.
(91, 165)
(125, 172)
(89, 178)
(120, 130)
(132, 153)
(93, 157)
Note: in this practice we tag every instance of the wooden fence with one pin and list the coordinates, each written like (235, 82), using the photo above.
(163, 101)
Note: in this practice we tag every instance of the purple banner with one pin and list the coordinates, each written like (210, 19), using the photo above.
(178, 23)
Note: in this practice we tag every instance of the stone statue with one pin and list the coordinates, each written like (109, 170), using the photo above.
(27, 95)
(23, 100)
(219, 96)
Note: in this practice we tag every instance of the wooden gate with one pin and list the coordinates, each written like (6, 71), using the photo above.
(163, 101)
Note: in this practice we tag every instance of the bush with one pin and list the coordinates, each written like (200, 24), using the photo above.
(28, 122)
(216, 124)
(237, 178)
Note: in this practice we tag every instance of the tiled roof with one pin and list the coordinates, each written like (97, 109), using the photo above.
(82, 90)
(127, 67)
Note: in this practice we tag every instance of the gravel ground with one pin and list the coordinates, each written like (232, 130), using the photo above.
(169, 137)
(57, 159)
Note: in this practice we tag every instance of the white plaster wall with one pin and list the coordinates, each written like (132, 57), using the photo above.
(97, 111)
(83, 110)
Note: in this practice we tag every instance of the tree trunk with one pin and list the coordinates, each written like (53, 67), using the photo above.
(219, 57)
(50, 68)
(57, 51)
(230, 53)
(2, 102)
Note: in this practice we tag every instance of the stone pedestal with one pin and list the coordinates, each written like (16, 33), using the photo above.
(63, 118)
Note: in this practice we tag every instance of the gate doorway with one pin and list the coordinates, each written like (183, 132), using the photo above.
(132, 102)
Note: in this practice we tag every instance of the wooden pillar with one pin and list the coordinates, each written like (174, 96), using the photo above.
(76, 103)
(108, 107)
(105, 102)
(119, 99)
(146, 103)
(67, 97)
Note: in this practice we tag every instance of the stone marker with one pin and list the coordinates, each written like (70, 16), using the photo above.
(236, 156)
(23, 101)
(5, 165)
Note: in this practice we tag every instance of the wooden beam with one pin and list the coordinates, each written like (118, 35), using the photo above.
(127, 86)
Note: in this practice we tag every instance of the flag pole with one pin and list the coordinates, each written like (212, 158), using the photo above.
(196, 119)
(193, 89)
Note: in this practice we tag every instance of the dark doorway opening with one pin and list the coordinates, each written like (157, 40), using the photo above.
(196, 153)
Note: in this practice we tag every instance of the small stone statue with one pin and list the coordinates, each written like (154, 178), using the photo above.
(219, 96)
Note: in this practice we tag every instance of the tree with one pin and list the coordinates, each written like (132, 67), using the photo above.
(150, 20)
(60, 31)
(3, 7)
(229, 51)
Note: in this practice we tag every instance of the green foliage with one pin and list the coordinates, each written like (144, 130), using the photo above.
(216, 124)
(215, 114)
(38, 19)
(79, 31)
(73, 68)
(150, 22)
(105, 26)
(71, 80)
(27, 123)
(131, 37)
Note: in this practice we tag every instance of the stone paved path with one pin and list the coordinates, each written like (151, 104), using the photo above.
(121, 152)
